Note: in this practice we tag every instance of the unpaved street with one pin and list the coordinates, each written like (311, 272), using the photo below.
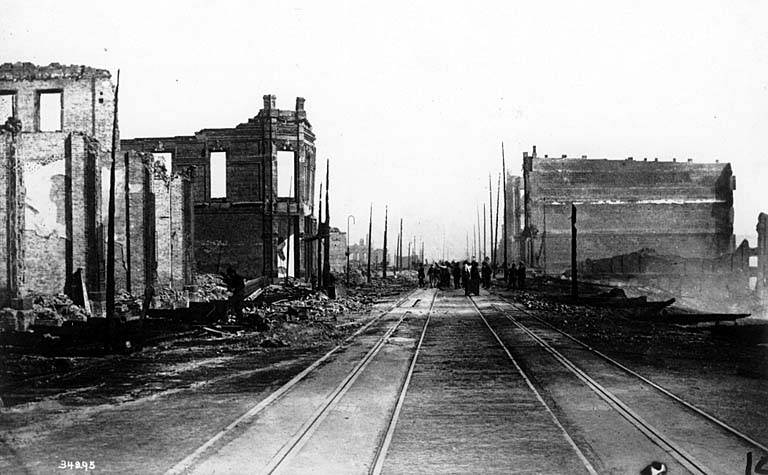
(437, 383)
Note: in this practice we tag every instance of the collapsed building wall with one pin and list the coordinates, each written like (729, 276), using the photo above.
(675, 208)
(51, 181)
(244, 218)
(54, 186)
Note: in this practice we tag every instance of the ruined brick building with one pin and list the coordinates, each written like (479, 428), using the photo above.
(675, 208)
(56, 151)
(253, 191)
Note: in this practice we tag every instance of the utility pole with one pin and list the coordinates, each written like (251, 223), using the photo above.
(353, 220)
(111, 321)
(320, 226)
(409, 255)
(485, 251)
(479, 247)
(384, 257)
(400, 262)
(327, 247)
(504, 179)
(370, 229)
(490, 215)
(496, 231)
(574, 276)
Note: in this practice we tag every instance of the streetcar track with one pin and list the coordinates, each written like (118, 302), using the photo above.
(587, 464)
(642, 378)
(652, 433)
(188, 462)
(295, 443)
(381, 450)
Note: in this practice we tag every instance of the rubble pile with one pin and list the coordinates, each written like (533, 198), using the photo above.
(47, 310)
(380, 289)
(210, 287)
(127, 306)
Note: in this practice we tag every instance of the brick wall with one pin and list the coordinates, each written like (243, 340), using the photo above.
(229, 236)
(251, 205)
(675, 208)
(4, 295)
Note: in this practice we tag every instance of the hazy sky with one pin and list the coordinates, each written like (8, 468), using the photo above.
(411, 100)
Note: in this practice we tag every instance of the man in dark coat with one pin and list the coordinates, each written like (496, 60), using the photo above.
(465, 278)
(456, 270)
(486, 273)
(474, 278)
(521, 276)
(512, 277)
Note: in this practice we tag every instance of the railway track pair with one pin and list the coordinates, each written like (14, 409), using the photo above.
(294, 444)
(536, 332)
(680, 448)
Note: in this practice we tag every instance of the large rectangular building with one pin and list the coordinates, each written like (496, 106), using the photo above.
(675, 208)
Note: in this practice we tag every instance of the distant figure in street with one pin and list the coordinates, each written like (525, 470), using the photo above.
(521, 276)
(445, 276)
(486, 274)
(236, 284)
(474, 278)
(431, 275)
(512, 277)
(465, 278)
(456, 269)
(421, 274)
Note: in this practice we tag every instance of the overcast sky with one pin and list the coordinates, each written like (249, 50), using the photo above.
(411, 100)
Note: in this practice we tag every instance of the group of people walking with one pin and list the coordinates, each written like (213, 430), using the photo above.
(469, 275)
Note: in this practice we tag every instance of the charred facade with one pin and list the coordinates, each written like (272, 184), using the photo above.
(253, 191)
(54, 187)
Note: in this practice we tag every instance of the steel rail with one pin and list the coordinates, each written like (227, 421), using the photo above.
(381, 451)
(587, 464)
(652, 433)
(654, 385)
(188, 462)
(294, 444)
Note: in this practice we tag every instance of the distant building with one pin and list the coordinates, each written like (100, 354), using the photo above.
(675, 208)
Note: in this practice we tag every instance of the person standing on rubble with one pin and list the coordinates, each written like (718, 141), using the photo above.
(421, 274)
(236, 284)
(521, 276)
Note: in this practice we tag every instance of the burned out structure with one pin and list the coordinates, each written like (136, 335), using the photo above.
(664, 225)
(253, 191)
(676, 208)
(56, 148)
